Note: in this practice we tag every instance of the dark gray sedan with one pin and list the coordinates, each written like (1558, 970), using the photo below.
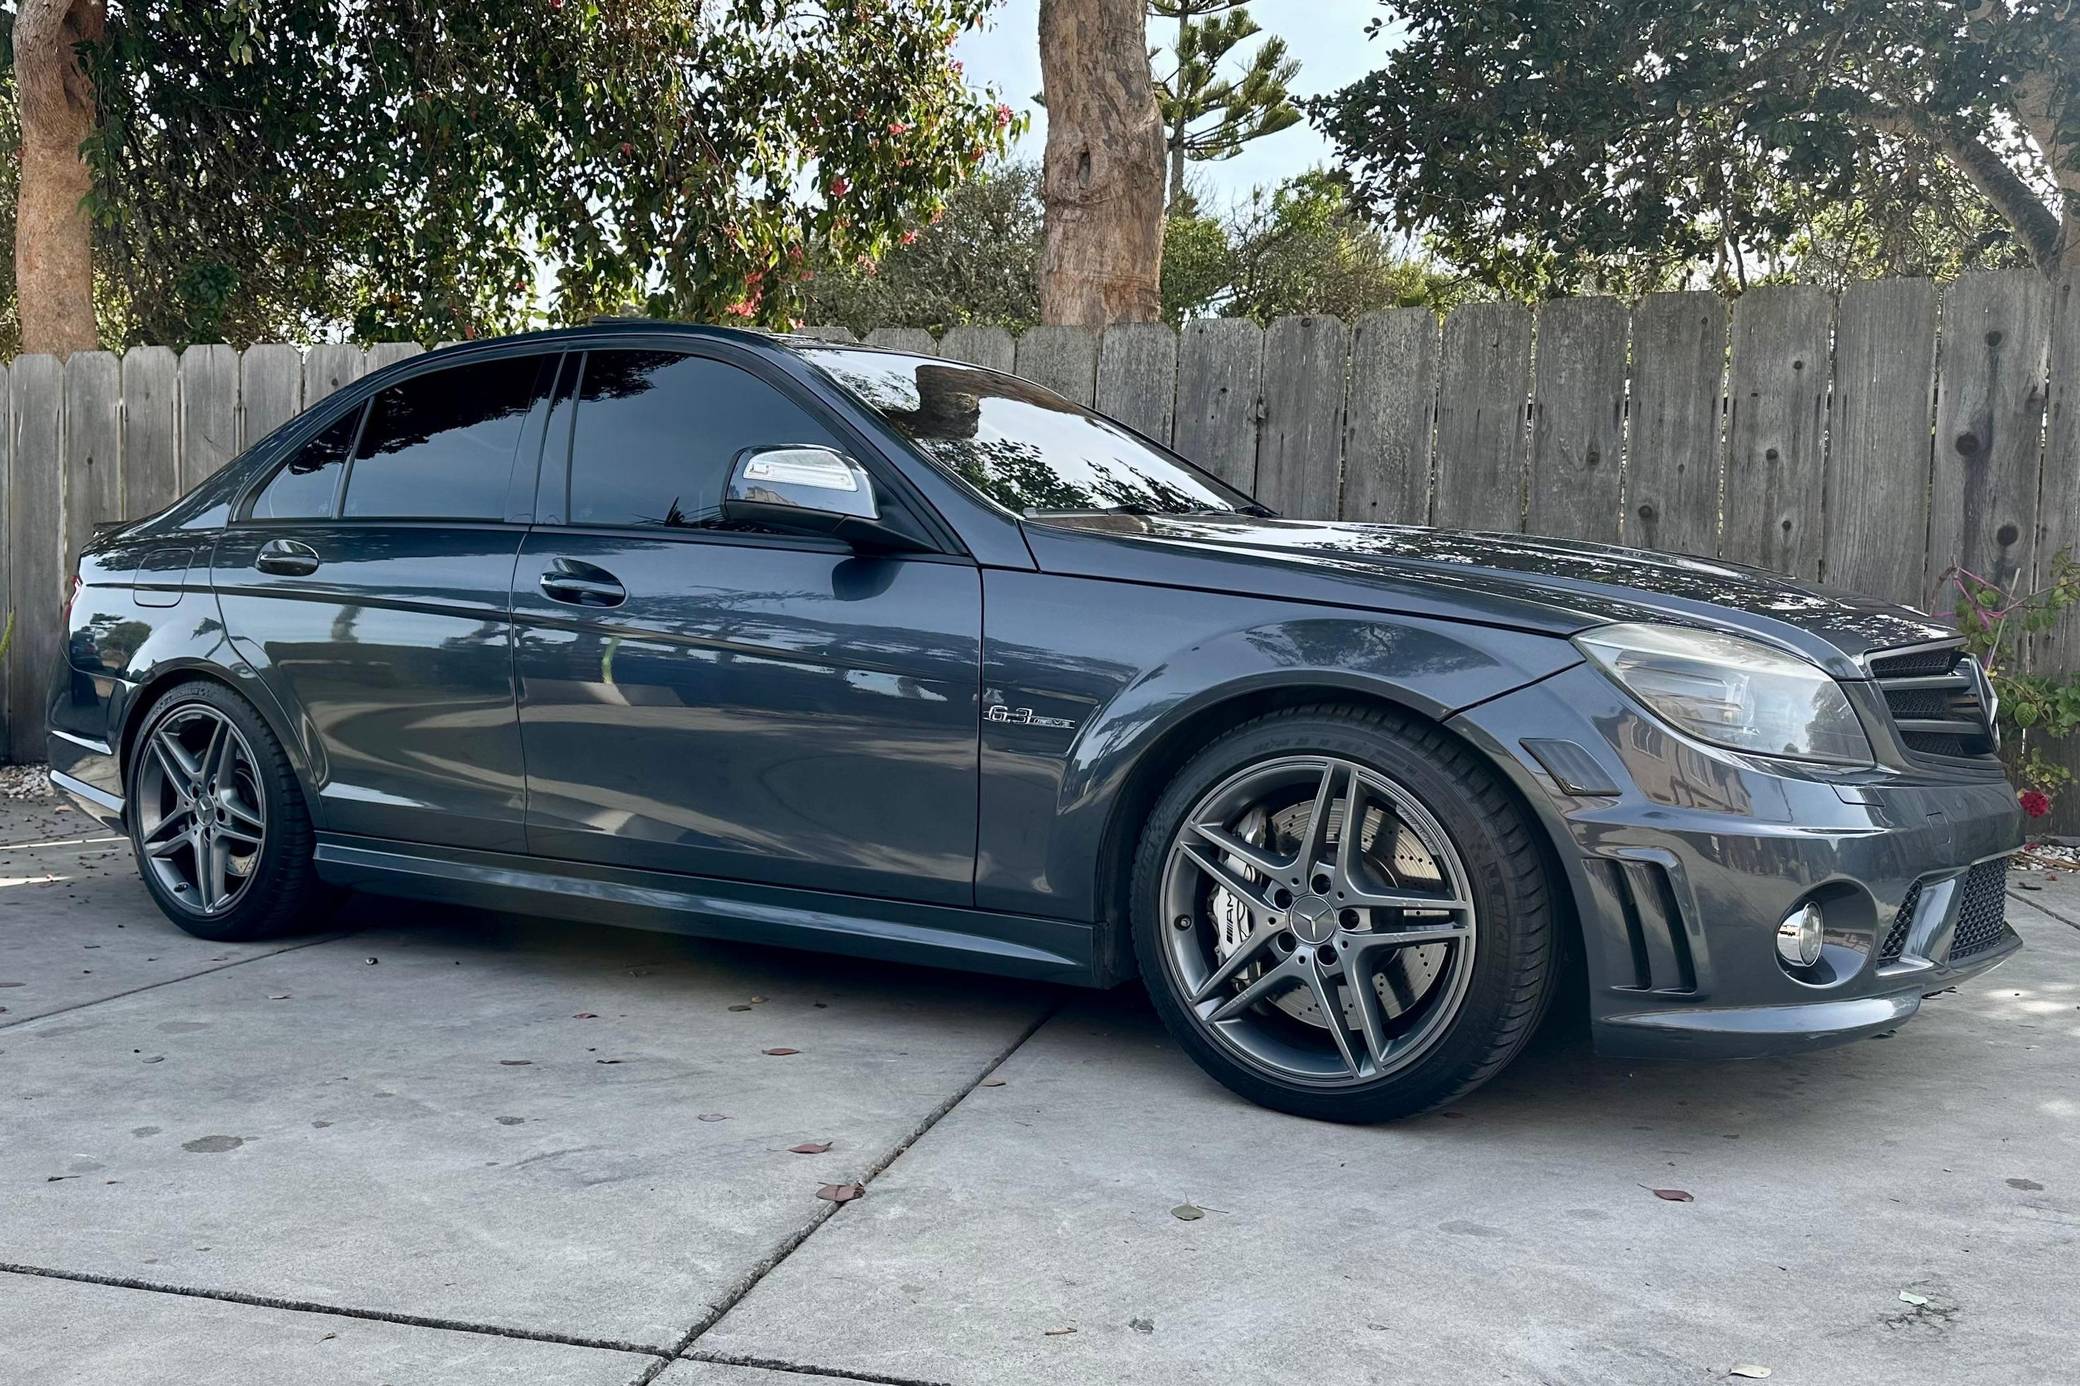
(847, 649)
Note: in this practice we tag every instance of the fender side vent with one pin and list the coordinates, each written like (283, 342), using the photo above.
(1658, 944)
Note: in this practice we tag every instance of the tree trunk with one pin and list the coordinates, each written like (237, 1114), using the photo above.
(53, 237)
(1103, 176)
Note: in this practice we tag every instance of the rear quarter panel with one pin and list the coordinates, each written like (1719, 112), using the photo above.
(1126, 664)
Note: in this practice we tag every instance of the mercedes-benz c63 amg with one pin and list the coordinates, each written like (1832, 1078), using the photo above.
(823, 646)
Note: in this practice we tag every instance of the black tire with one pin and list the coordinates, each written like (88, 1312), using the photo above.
(1513, 971)
(282, 892)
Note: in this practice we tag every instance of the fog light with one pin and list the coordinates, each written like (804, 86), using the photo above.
(1800, 935)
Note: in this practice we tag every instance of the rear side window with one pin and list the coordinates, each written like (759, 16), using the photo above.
(441, 445)
(308, 485)
(656, 432)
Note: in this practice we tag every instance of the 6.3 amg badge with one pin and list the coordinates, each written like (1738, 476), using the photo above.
(1024, 717)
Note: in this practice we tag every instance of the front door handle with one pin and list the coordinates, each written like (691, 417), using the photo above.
(287, 558)
(580, 584)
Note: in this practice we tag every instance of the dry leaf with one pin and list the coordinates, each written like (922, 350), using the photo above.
(514, 1063)
(711, 1116)
(993, 1082)
(1907, 1297)
(741, 1006)
(1187, 1212)
(1058, 1332)
(1748, 1369)
(809, 1148)
(782, 1052)
(607, 1061)
(841, 1193)
(585, 1015)
(1674, 1195)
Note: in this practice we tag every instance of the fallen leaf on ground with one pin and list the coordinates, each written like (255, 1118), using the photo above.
(781, 1052)
(585, 1015)
(809, 1148)
(2026, 1185)
(841, 1193)
(514, 1063)
(993, 1082)
(279, 996)
(1058, 1332)
(1674, 1195)
(608, 1061)
(1909, 1297)
(711, 1116)
(1749, 1369)
(741, 1006)
(1142, 1325)
(1187, 1212)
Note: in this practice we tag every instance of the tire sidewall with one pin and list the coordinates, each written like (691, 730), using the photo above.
(1502, 949)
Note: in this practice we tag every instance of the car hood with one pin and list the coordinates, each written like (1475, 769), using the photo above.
(1558, 585)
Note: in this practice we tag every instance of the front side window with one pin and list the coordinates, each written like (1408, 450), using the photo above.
(1021, 445)
(441, 445)
(307, 485)
(657, 431)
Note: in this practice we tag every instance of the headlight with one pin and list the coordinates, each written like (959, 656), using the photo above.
(1731, 692)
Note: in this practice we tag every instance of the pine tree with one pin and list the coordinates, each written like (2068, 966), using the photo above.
(1206, 114)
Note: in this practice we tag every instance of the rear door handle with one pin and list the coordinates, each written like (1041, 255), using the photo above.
(287, 558)
(580, 584)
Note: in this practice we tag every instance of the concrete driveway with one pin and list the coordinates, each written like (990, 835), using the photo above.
(439, 1147)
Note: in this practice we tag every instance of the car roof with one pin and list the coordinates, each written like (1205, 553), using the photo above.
(757, 339)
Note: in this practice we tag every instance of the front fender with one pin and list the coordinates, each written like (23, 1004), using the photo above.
(1138, 672)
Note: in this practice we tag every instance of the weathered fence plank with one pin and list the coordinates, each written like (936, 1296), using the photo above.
(1989, 426)
(1578, 419)
(7, 601)
(2061, 514)
(1877, 455)
(151, 451)
(390, 353)
(1776, 428)
(1390, 418)
(35, 544)
(821, 334)
(329, 366)
(1064, 359)
(209, 411)
(1672, 449)
(988, 347)
(1486, 378)
(93, 455)
(1299, 457)
(270, 390)
(914, 340)
(1137, 377)
(1220, 365)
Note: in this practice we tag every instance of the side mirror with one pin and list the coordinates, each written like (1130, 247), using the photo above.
(805, 489)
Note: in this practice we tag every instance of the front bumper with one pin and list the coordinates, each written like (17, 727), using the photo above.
(1683, 859)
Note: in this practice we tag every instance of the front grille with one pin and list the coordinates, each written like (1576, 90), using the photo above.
(1982, 909)
(1934, 695)
(1902, 924)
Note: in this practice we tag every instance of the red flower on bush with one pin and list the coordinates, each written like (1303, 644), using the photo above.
(1005, 115)
(840, 186)
(2035, 802)
(898, 127)
(909, 238)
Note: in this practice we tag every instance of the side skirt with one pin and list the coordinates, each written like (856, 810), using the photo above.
(1011, 945)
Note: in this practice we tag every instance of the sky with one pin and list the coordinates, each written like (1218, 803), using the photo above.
(1327, 36)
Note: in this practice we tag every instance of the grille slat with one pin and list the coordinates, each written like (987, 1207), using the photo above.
(1902, 924)
(1934, 697)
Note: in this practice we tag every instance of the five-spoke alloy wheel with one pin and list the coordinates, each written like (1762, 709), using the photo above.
(1339, 912)
(218, 819)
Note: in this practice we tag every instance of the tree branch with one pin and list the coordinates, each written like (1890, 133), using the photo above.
(2035, 224)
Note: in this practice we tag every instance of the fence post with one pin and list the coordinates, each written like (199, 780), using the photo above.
(1220, 365)
(1776, 426)
(93, 478)
(1390, 418)
(1577, 419)
(1137, 377)
(151, 452)
(1485, 381)
(988, 347)
(270, 390)
(1672, 446)
(1306, 378)
(1064, 359)
(35, 544)
(208, 391)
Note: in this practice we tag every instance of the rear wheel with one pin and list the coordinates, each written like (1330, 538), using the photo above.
(1341, 912)
(222, 835)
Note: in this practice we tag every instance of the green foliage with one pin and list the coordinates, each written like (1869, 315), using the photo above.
(1208, 114)
(976, 264)
(1303, 248)
(1546, 148)
(406, 167)
(1999, 627)
(1198, 265)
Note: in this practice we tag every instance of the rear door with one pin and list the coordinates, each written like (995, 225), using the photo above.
(368, 582)
(724, 703)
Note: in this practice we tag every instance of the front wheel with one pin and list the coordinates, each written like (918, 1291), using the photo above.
(1342, 913)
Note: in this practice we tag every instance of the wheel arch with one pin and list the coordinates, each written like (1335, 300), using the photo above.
(149, 690)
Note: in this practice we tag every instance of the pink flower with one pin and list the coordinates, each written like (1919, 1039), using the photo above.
(2035, 802)
(1005, 115)
(909, 238)
(897, 127)
(839, 187)
(742, 308)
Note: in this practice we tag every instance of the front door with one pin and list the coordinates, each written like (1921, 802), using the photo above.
(729, 704)
(367, 585)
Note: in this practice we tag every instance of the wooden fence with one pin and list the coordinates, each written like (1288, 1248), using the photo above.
(1870, 439)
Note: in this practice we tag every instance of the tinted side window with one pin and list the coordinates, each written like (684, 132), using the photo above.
(656, 433)
(441, 445)
(305, 488)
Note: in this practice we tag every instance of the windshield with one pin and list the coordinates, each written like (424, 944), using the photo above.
(1022, 446)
